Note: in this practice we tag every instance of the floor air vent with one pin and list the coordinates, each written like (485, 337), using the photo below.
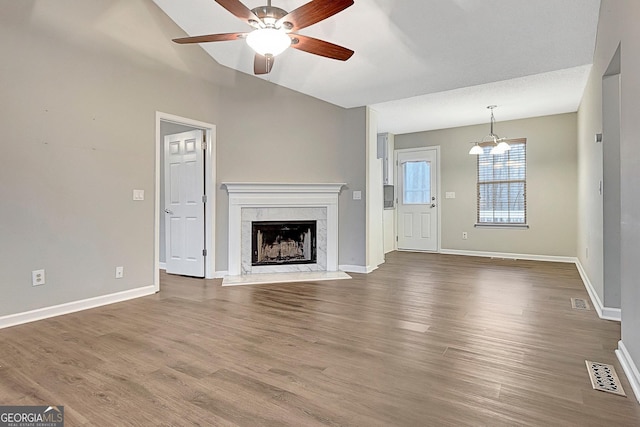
(579, 304)
(604, 378)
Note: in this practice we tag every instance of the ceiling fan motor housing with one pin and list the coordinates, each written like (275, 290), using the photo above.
(270, 15)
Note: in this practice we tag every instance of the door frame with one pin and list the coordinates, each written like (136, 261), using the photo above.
(209, 191)
(396, 173)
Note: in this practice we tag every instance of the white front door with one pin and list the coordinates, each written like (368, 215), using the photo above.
(184, 210)
(417, 199)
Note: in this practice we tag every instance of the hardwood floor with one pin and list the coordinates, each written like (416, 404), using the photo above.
(425, 340)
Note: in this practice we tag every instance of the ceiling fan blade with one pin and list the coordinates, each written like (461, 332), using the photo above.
(239, 10)
(262, 64)
(210, 38)
(320, 47)
(312, 12)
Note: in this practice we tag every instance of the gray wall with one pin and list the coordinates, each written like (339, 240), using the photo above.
(352, 165)
(617, 26)
(80, 88)
(611, 190)
(267, 133)
(551, 186)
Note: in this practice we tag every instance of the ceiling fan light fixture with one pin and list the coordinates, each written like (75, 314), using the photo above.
(273, 28)
(268, 41)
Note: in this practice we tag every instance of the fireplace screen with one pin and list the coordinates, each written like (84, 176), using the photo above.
(280, 242)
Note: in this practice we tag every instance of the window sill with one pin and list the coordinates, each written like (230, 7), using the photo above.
(485, 225)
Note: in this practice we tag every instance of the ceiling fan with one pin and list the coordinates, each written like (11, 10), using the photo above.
(274, 30)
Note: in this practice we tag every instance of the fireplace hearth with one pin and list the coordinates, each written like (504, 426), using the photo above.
(283, 242)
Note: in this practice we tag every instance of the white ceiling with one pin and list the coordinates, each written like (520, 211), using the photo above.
(426, 64)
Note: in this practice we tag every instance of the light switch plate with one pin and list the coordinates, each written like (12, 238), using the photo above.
(450, 195)
(357, 195)
(138, 194)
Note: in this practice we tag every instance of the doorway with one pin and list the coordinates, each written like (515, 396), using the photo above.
(418, 211)
(167, 124)
(182, 198)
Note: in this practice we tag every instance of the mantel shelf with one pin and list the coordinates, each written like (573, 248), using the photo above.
(274, 188)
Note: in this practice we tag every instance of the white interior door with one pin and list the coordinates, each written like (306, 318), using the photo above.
(184, 210)
(417, 211)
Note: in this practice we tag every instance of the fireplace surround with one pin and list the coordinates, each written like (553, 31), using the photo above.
(259, 202)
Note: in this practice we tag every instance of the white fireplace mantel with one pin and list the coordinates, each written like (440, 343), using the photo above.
(244, 195)
(281, 188)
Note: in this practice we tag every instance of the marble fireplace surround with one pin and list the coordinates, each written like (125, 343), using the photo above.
(274, 202)
(251, 214)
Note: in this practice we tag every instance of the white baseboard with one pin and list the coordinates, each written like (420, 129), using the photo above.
(507, 255)
(371, 268)
(630, 368)
(163, 265)
(614, 314)
(357, 268)
(220, 274)
(606, 313)
(72, 307)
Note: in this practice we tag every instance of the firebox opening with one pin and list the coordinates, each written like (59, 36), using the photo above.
(280, 242)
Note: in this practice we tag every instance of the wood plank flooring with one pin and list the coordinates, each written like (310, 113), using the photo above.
(425, 340)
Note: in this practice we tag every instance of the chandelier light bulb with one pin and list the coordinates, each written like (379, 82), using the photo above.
(504, 146)
(476, 149)
(497, 150)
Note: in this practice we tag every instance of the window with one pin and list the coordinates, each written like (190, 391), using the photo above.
(417, 183)
(502, 185)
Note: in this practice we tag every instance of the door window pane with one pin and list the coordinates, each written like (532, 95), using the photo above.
(416, 183)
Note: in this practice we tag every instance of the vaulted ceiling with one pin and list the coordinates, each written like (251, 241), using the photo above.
(426, 64)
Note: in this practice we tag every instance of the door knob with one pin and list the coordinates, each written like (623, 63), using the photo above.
(168, 211)
(433, 205)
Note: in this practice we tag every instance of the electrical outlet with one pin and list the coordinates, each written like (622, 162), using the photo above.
(37, 277)
(119, 272)
(464, 235)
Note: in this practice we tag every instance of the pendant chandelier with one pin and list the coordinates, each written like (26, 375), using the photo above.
(499, 144)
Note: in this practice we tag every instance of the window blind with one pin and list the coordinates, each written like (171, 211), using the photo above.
(502, 185)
